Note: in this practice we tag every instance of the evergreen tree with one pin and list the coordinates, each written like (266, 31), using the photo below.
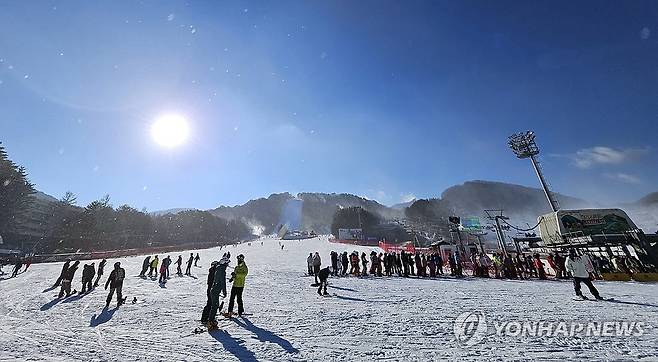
(15, 192)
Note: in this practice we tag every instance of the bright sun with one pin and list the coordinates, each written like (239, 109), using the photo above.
(170, 130)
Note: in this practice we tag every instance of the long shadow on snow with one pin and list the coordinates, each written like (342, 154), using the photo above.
(50, 304)
(49, 289)
(264, 335)
(342, 288)
(234, 346)
(633, 303)
(76, 297)
(105, 316)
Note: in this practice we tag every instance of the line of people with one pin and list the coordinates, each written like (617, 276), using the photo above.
(151, 265)
(89, 271)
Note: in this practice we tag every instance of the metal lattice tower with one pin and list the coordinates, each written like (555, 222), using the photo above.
(524, 146)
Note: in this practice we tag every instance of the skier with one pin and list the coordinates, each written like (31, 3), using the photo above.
(344, 261)
(209, 282)
(17, 267)
(163, 271)
(67, 278)
(219, 287)
(334, 263)
(88, 272)
(115, 281)
(179, 263)
(189, 264)
(364, 264)
(154, 266)
(323, 274)
(238, 276)
(197, 258)
(539, 266)
(309, 263)
(579, 269)
(317, 262)
(101, 267)
(27, 261)
(145, 266)
(61, 275)
(453, 265)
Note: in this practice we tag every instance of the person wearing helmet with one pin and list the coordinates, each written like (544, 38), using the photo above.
(115, 281)
(211, 278)
(238, 276)
(218, 287)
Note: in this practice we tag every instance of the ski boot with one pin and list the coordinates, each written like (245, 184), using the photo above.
(212, 325)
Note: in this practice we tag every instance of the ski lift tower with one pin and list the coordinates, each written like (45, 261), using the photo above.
(524, 146)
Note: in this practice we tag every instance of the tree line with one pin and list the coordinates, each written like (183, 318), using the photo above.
(100, 226)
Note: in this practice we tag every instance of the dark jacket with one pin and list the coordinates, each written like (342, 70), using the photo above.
(64, 268)
(211, 275)
(147, 262)
(101, 266)
(88, 272)
(324, 274)
(116, 278)
(70, 271)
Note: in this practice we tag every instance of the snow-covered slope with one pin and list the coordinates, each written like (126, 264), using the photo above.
(367, 318)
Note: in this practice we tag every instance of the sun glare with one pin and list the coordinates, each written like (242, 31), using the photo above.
(170, 130)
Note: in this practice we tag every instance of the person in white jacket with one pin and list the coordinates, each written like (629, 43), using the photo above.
(580, 267)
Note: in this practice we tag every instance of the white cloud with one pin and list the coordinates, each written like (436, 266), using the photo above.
(623, 177)
(599, 155)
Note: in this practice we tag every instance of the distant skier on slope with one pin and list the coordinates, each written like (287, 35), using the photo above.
(580, 268)
(145, 266)
(17, 267)
(154, 266)
(309, 263)
(88, 272)
(99, 273)
(334, 263)
(179, 263)
(189, 264)
(197, 258)
(61, 275)
(115, 281)
(317, 262)
(67, 278)
(323, 275)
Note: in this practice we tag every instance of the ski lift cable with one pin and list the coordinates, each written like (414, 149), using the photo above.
(523, 230)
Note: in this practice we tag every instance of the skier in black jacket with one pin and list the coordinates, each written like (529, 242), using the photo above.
(189, 264)
(334, 263)
(211, 277)
(67, 278)
(115, 281)
(323, 275)
(88, 272)
(61, 275)
(145, 266)
(101, 267)
(178, 263)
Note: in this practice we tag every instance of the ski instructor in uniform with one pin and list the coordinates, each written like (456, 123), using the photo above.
(115, 281)
(580, 269)
(238, 276)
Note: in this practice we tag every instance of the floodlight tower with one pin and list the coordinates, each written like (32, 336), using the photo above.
(524, 146)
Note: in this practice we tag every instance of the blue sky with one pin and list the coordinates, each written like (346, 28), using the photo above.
(385, 99)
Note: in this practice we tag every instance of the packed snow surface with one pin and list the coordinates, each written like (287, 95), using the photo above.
(363, 319)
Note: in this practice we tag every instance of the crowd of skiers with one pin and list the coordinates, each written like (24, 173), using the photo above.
(404, 264)
(17, 263)
(89, 271)
(151, 265)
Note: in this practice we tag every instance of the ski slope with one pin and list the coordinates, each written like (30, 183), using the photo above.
(365, 319)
